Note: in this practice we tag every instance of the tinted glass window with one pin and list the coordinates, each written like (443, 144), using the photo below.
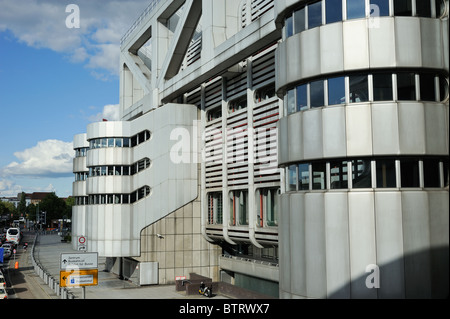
(314, 15)
(385, 173)
(431, 173)
(336, 90)
(333, 11)
(302, 103)
(359, 91)
(338, 175)
(316, 94)
(303, 176)
(299, 20)
(406, 86)
(409, 171)
(423, 8)
(356, 9)
(403, 7)
(319, 175)
(379, 8)
(361, 174)
(443, 88)
(288, 27)
(427, 92)
(291, 102)
(382, 87)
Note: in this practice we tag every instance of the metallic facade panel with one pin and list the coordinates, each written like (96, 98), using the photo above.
(285, 243)
(389, 243)
(411, 125)
(331, 48)
(334, 128)
(315, 254)
(381, 35)
(438, 202)
(297, 228)
(356, 44)
(294, 69)
(432, 53)
(359, 130)
(436, 129)
(407, 42)
(309, 53)
(385, 129)
(295, 137)
(416, 243)
(337, 245)
(362, 242)
(312, 134)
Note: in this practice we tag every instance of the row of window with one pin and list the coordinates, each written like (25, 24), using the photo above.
(120, 141)
(103, 199)
(120, 170)
(266, 207)
(81, 151)
(368, 173)
(240, 103)
(380, 86)
(329, 11)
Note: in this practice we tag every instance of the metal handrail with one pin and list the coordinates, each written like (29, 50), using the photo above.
(138, 21)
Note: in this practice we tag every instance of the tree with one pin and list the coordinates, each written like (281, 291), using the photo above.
(21, 208)
(54, 206)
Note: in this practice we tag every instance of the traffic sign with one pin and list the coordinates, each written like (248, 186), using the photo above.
(78, 278)
(79, 261)
(82, 243)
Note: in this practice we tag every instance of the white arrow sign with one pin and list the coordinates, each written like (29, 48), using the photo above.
(80, 260)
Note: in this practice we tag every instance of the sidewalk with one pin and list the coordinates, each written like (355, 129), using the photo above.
(47, 252)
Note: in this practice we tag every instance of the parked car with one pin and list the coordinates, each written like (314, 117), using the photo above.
(3, 293)
(2, 282)
(6, 253)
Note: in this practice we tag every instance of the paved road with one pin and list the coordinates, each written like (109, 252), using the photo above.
(24, 283)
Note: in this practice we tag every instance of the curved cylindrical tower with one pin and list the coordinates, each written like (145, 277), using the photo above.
(364, 144)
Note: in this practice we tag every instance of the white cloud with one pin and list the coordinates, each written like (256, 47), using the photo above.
(50, 158)
(111, 112)
(41, 24)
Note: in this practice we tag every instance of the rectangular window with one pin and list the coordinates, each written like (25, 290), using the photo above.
(406, 86)
(409, 173)
(239, 207)
(118, 142)
(333, 10)
(290, 101)
(110, 142)
(291, 179)
(423, 8)
(431, 173)
(403, 7)
(316, 93)
(427, 87)
(443, 88)
(379, 8)
(302, 100)
(382, 87)
(303, 177)
(215, 213)
(356, 9)
(338, 175)
(336, 90)
(446, 175)
(314, 15)
(299, 20)
(288, 27)
(361, 174)
(359, 91)
(386, 177)
(319, 175)
(267, 206)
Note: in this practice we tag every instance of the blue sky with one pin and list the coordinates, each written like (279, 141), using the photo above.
(54, 81)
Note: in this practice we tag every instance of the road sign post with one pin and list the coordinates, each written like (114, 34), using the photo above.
(79, 269)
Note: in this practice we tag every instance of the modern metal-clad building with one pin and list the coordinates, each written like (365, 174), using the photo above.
(295, 148)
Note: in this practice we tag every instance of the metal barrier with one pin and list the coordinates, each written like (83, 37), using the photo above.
(48, 279)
